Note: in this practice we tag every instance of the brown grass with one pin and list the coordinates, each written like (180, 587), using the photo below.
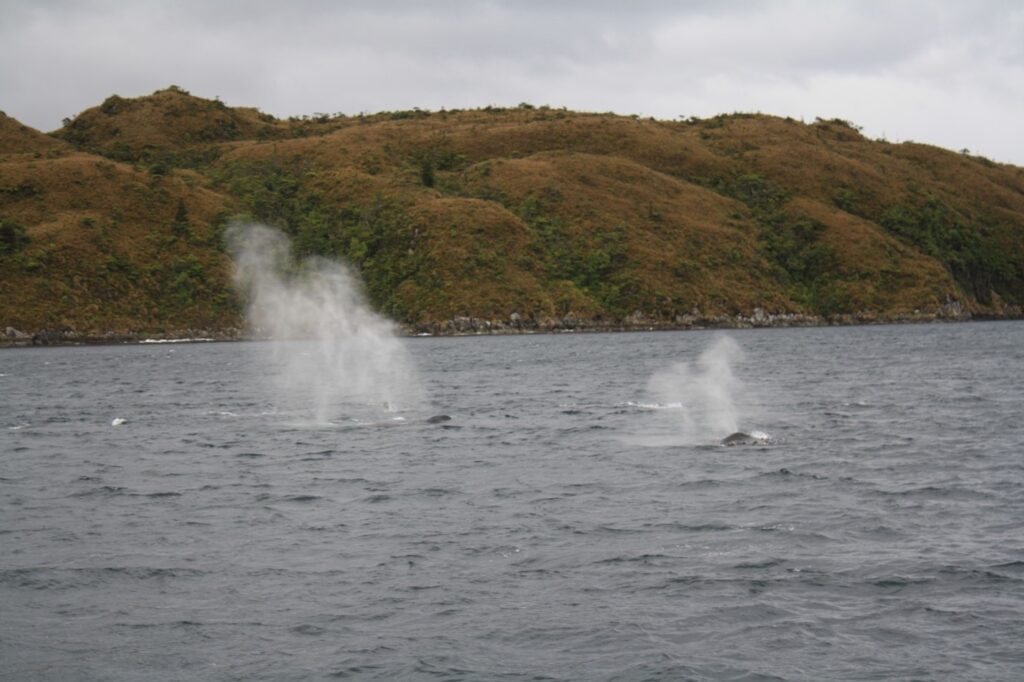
(511, 188)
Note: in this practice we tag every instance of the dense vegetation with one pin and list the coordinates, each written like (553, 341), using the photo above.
(529, 216)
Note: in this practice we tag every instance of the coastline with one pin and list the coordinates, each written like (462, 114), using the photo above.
(471, 326)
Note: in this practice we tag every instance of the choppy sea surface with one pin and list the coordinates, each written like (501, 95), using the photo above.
(569, 522)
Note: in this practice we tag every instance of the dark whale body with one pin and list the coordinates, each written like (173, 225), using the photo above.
(740, 438)
(438, 419)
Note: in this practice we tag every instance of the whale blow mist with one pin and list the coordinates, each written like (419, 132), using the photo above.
(703, 396)
(333, 357)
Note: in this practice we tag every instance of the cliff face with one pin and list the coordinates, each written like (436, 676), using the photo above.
(518, 218)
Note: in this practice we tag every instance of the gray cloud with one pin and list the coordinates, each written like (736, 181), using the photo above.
(947, 73)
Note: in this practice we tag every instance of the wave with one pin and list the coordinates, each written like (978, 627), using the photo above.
(651, 406)
(47, 578)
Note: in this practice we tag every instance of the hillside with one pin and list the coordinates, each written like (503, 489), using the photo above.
(490, 218)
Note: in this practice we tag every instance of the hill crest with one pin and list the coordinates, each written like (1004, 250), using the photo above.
(540, 216)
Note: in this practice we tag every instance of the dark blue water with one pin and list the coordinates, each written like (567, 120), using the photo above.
(557, 528)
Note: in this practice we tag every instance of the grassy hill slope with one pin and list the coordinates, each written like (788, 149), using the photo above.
(519, 217)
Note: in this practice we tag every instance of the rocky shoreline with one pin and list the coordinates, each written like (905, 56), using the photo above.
(518, 324)
(12, 338)
(638, 321)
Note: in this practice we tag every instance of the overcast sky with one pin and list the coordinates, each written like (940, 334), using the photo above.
(945, 72)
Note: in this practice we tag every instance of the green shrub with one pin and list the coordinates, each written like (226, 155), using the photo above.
(846, 199)
(377, 238)
(756, 192)
(183, 279)
(793, 245)
(427, 173)
(113, 105)
(23, 190)
(975, 260)
(595, 264)
(13, 237)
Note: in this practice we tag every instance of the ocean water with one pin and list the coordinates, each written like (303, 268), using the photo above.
(575, 519)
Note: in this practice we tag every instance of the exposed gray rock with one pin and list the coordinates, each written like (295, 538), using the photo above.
(953, 310)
